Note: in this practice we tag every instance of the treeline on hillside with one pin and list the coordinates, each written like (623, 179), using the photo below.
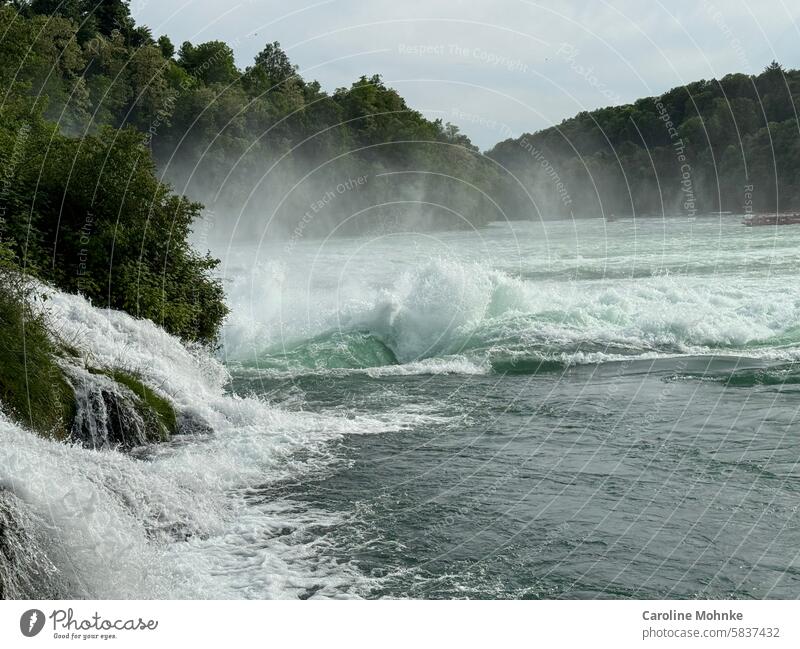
(88, 213)
(266, 151)
(731, 144)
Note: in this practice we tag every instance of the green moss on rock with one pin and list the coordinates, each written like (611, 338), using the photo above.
(150, 405)
(162, 408)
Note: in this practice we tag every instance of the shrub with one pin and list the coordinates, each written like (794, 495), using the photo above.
(90, 216)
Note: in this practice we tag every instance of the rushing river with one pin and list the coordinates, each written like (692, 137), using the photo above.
(552, 410)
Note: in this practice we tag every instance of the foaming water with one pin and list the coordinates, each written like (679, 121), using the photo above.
(456, 308)
(552, 410)
(606, 410)
(179, 520)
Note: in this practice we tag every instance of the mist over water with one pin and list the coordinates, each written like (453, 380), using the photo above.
(422, 368)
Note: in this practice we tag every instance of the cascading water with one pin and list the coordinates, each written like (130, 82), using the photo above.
(26, 569)
(163, 526)
(106, 413)
(454, 316)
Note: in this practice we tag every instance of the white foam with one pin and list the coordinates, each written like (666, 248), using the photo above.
(181, 523)
(450, 308)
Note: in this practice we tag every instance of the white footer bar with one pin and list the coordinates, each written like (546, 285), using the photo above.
(372, 624)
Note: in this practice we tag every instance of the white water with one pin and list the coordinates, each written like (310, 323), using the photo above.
(93, 416)
(451, 313)
(182, 523)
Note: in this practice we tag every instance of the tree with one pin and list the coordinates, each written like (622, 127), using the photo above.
(75, 10)
(99, 222)
(453, 134)
(211, 62)
(774, 68)
(166, 46)
(110, 15)
(151, 95)
(275, 63)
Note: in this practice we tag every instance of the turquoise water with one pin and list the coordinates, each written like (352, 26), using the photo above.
(584, 409)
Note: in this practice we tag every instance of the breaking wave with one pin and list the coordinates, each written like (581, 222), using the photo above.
(449, 317)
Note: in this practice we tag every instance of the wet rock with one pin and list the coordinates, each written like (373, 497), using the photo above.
(114, 410)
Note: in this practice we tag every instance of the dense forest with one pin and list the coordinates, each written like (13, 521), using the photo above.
(731, 144)
(266, 148)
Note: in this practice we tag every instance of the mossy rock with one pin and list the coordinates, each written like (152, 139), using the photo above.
(160, 406)
(134, 413)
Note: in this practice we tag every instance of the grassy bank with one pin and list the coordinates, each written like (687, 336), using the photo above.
(33, 388)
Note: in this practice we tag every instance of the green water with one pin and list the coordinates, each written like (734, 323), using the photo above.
(584, 409)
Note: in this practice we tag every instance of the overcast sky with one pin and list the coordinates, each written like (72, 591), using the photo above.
(500, 68)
